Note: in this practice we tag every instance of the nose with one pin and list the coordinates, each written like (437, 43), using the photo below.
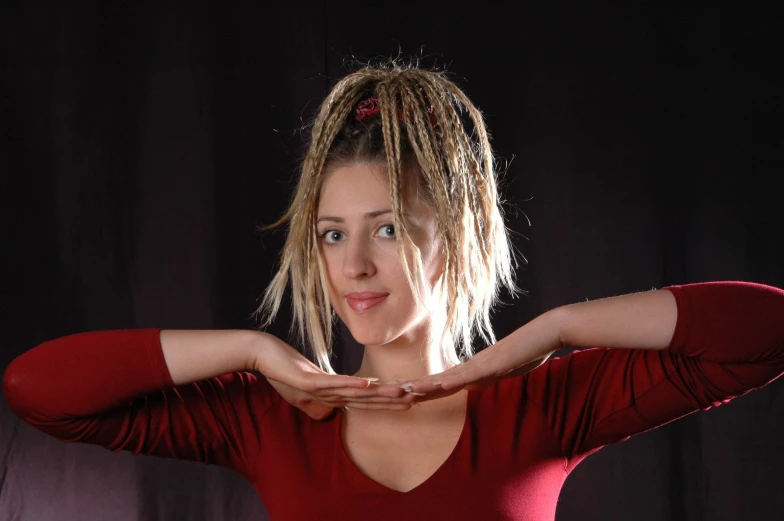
(358, 262)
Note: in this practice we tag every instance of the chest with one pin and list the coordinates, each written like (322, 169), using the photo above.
(401, 455)
(507, 466)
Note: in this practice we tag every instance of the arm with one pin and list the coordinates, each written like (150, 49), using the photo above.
(728, 321)
(641, 321)
(70, 376)
(193, 355)
(635, 321)
(114, 389)
(725, 340)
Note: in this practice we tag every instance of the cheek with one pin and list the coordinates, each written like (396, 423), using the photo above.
(432, 261)
(331, 268)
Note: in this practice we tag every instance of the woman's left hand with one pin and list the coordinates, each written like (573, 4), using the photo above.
(518, 353)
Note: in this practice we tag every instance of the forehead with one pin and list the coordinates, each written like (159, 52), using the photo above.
(354, 181)
(361, 185)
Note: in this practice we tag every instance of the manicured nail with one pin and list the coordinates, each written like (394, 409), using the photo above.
(370, 379)
(436, 383)
(417, 394)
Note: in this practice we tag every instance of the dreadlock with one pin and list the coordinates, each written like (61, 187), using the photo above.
(422, 124)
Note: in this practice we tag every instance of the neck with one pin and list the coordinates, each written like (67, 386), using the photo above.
(406, 358)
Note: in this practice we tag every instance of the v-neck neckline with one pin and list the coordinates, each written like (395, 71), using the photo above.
(343, 453)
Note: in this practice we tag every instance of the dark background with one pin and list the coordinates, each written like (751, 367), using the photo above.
(140, 147)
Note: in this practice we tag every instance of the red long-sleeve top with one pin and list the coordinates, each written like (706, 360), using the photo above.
(521, 437)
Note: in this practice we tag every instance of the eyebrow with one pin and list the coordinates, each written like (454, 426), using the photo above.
(369, 215)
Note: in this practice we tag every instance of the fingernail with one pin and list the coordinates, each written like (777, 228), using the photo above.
(417, 394)
(370, 379)
(407, 387)
(436, 383)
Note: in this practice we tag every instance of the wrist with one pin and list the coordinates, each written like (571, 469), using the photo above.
(543, 334)
(257, 350)
(557, 319)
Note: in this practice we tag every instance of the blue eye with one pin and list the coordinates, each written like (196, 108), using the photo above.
(331, 236)
(388, 229)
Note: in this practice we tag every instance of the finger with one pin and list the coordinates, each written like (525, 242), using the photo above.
(476, 369)
(368, 399)
(373, 399)
(441, 380)
(433, 395)
(332, 400)
(316, 382)
(390, 391)
(378, 406)
(429, 383)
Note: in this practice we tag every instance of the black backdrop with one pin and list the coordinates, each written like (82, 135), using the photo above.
(140, 147)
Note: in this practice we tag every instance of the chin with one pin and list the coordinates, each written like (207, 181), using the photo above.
(369, 339)
(369, 335)
(379, 330)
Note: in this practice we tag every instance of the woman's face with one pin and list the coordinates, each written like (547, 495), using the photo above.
(367, 285)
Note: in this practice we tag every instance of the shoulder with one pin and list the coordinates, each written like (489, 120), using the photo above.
(246, 389)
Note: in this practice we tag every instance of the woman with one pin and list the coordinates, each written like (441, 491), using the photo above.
(395, 228)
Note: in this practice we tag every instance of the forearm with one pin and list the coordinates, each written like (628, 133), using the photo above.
(193, 355)
(720, 321)
(643, 320)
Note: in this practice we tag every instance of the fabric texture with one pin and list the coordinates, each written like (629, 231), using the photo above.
(521, 438)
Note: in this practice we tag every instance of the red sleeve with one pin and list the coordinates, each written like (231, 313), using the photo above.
(113, 389)
(728, 340)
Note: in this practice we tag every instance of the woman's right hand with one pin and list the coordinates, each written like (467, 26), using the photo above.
(305, 386)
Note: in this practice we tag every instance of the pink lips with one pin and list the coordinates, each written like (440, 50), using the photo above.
(364, 300)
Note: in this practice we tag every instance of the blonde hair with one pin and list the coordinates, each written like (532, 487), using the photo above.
(456, 173)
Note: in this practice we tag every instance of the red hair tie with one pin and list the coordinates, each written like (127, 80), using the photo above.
(367, 108)
(370, 107)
